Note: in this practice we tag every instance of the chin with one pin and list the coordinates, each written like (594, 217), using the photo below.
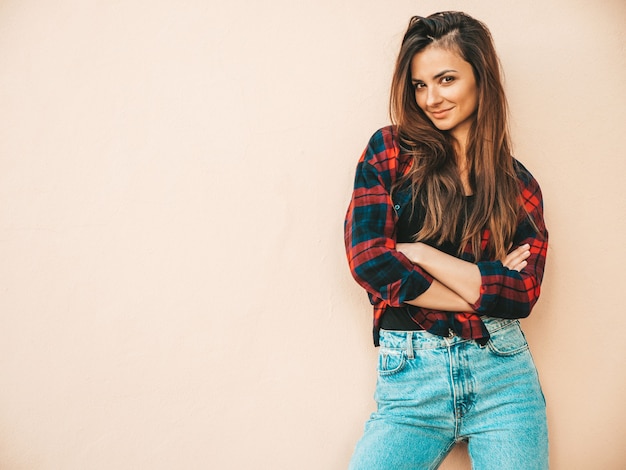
(443, 127)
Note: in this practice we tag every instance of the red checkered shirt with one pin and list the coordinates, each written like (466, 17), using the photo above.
(390, 279)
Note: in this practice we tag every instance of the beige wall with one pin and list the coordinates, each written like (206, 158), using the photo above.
(173, 179)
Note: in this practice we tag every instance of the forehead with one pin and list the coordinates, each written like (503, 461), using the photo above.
(433, 60)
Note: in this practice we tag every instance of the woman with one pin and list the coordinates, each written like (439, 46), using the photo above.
(445, 231)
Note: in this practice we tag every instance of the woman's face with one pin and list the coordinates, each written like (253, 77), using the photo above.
(445, 89)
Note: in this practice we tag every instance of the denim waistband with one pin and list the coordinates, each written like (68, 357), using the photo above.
(422, 339)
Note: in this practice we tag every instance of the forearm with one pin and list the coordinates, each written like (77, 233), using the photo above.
(461, 277)
(439, 297)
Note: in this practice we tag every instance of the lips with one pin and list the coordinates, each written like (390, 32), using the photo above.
(440, 114)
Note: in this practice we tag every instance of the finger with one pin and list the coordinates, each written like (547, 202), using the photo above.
(520, 266)
(518, 263)
(520, 250)
(514, 257)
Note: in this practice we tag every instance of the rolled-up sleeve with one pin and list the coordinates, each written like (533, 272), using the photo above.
(506, 293)
(369, 229)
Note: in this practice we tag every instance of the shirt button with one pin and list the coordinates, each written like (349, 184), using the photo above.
(396, 207)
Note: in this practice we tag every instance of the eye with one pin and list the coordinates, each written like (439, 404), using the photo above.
(447, 79)
(419, 85)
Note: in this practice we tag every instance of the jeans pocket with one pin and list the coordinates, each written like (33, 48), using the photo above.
(508, 341)
(391, 361)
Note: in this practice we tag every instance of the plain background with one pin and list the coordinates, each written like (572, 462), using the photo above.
(173, 180)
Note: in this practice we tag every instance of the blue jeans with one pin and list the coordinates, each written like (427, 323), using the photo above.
(433, 392)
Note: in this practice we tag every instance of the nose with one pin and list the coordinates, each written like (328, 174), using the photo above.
(433, 98)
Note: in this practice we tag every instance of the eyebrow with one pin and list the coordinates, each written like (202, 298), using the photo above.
(439, 75)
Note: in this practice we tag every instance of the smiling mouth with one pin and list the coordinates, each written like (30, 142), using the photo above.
(439, 114)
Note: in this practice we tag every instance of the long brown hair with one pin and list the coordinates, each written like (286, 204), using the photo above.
(434, 175)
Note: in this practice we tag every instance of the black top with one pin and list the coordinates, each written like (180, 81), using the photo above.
(409, 223)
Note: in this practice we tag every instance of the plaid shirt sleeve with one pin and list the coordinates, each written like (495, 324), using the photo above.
(387, 275)
(510, 294)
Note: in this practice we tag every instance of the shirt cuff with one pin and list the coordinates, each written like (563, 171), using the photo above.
(415, 285)
(491, 274)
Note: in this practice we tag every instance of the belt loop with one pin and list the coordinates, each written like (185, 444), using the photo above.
(409, 344)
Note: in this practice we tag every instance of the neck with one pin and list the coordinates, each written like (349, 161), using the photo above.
(462, 168)
(459, 142)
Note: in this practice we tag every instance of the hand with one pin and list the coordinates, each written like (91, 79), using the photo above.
(516, 259)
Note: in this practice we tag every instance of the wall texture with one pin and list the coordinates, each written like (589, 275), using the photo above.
(173, 179)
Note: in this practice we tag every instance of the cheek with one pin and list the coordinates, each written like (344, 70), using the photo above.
(472, 104)
(419, 99)
(471, 98)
